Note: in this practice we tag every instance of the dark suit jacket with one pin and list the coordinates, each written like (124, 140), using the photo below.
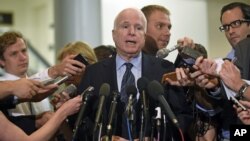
(152, 68)
(7, 103)
(242, 53)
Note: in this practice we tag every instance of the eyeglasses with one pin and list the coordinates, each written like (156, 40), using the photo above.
(233, 24)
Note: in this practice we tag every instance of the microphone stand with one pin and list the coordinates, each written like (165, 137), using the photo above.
(152, 129)
(164, 127)
(141, 137)
(112, 112)
(130, 116)
(144, 120)
(99, 131)
(158, 122)
(85, 95)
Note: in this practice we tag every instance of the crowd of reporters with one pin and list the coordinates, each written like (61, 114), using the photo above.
(194, 98)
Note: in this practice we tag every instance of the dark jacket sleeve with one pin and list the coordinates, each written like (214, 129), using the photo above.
(7, 103)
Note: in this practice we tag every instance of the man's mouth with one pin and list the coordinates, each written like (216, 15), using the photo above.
(131, 42)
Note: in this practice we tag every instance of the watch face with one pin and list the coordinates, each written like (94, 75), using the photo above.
(242, 90)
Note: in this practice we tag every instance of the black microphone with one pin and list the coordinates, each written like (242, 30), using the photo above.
(131, 92)
(142, 86)
(162, 53)
(112, 112)
(103, 93)
(156, 91)
(85, 96)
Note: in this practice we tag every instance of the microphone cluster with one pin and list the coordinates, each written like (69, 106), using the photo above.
(146, 89)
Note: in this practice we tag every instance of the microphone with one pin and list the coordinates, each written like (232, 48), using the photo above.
(103, 93)
(59, 80)
(158, 115)
(70, 90)
(158, 121)
(156, 91)
(112, 112)
(162, 53)
(142, 85)
(131, 92)
(85, 96)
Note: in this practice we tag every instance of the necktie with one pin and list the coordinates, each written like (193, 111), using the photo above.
(128, 79)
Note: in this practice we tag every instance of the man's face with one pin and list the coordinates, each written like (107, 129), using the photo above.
(16, 59)
(236, 34)
(158, 28)
(129, 33)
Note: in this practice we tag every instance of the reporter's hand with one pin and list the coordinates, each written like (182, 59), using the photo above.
(25, 89)
(59, 99)
(183, 78)
(186, 42)
(71, 106)
(204, 81)
(68, 66)
(206, 66)
(244, 116)
(43, 92)
(42, 118)
(230, 75)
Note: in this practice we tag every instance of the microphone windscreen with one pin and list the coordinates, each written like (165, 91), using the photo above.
(162, 53)
(71, 89)
(131, 90)
(155, 89)
(142, 83)
(104, 90)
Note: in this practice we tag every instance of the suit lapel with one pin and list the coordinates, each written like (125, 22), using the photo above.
(147, 65)
(109, 67)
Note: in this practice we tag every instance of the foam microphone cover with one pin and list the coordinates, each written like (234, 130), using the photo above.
(104, 90)
(131, 90)
(142, 83)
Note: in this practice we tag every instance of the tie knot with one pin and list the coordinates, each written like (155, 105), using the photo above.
(128, 65)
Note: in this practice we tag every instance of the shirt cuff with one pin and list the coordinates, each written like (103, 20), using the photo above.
(42, 75)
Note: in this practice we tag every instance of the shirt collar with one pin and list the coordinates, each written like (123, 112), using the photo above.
(136, 61)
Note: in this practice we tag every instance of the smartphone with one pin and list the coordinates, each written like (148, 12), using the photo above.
(171, 76)
(61, 80)
(48, 81)
(81, 59)
(237, 103)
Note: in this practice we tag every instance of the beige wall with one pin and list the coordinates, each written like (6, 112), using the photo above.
(34, 19)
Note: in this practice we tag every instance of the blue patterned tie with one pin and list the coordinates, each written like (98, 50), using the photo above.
(128, 79)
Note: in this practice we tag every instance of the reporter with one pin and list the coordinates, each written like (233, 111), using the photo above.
(45, 132)
(158, 31)
(14, 60)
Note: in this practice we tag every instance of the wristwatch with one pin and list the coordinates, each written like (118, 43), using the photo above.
(242, 90)
(15, 100)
